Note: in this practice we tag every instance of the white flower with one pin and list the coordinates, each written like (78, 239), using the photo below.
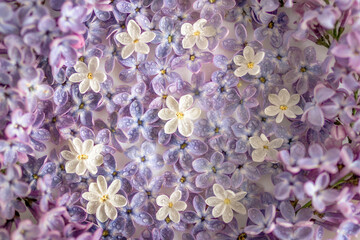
(197, 34)
(170, 207)
(263, 148)
(82, 156)
(224, 202)
(103, 201)
(248, 63)
(179, 115)
(134, 40)
(88, 75)
(284, 104)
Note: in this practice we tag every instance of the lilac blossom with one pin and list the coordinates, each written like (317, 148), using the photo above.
(133, 70)
(134, 8)
(288, 185)
(20, 125)
(290, 158)
(290, 218)
(283, 233)
(263, 222)
(209, 8)
(214, 125)
(262, 9)
(244, 133)
(14, 151)
(193, 60)
(72, 17)
(244, 170)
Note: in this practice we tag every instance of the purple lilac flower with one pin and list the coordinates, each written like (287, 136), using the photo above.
(133, 70)
(243, 133)
(225, 83)
(263, 222)
(14, 151)
(245, 170)
(150, 188)
(20, 125)
(26, 230)
(348, 49)
(101, 8)
(221, 31)
(108, 92)
(288, 185)
(192, 59)
(293, 233)
(209, 8)
(71, 18)
(290, 158)
(76, 213)
(290, 218)
(214, 125)
(134, 8)
(262, 10)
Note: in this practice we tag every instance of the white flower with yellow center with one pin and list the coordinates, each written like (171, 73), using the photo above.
(263, 148)
(224, 202)
(284, 104)
(88, 76)
(197, 34)
(103, 201)
(82, 156)
(134, 40)
(249, 62)
(179, 115)
(170, 206)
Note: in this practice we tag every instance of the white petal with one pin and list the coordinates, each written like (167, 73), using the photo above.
(174, 215)
(213, 201)
(255, 70)
(239, 196)
(208, 31)
(87, 146)
(77, 144)
(99, 77)
(80, 168)
(162, 213)
(172, 104)
(202, 42)
(78, 77)
(186, 127)
(272, 154)
(180, 206)
(228, 214)
(275, 100)
(189, 41)
(162, 200)
(198, 25)
(218, 210)
(193, 113)
(294, 99)
(71, 166)
(133, 29)
(93, 64)
(118, 200)
(97, 160)
(249, 54)
(241, 71)
(272, 110)
(284, 96)
(187, 29)
(171, 126)
(240, 60)
(276, 143)
(91, 207)
(95, 85)
(67, 155)
(114, 187)
(258, 155)
(175, 196)
(91, 196)
(259, 57)
(296, 109)
(142, 48)
(102, 184)
(264, 138)
(166, 114)
(92, 168)
(147, 36)
(219, 191)
(110, 210)
(93, 187)
(127, 50)
(185, 102)
(124, 38)
(256, 142)
(84, 86)
(81, 67)
(280, 117)
(100, 213)
(289, 114)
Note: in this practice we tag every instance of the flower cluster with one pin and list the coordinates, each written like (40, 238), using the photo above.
(166, 119)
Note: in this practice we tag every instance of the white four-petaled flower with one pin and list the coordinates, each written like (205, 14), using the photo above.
(224, 202)
(88, 76)
(179, 115)
(263, 148)
(134, 40)
(103, 201)
(82, 156)
(170, 206)
(248, 63)
(285, 104)
(197, 34)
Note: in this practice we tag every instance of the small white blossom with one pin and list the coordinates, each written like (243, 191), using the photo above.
(170, 207)
(285, 104)
(134, 40)
(103, 201)
(82, 156)
(224, 202)
(89, 76)
(179, 115)
(248, 63)
(197, 34)
(263, 148)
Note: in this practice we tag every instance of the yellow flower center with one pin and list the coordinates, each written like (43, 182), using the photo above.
(82, 157)
(179, 115)
(197, 33)
(182, 179)
(192, 57)
(262, 79)
(239, 84)
(90, 76)
(163, 71)
(104, 198)
(250, 65)
(81, 59)
(227, 201)
(136, 40)
(164, 96)
(266, 147)
(170, 38)
(171, 204)
(212, 1)
(283, 107)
